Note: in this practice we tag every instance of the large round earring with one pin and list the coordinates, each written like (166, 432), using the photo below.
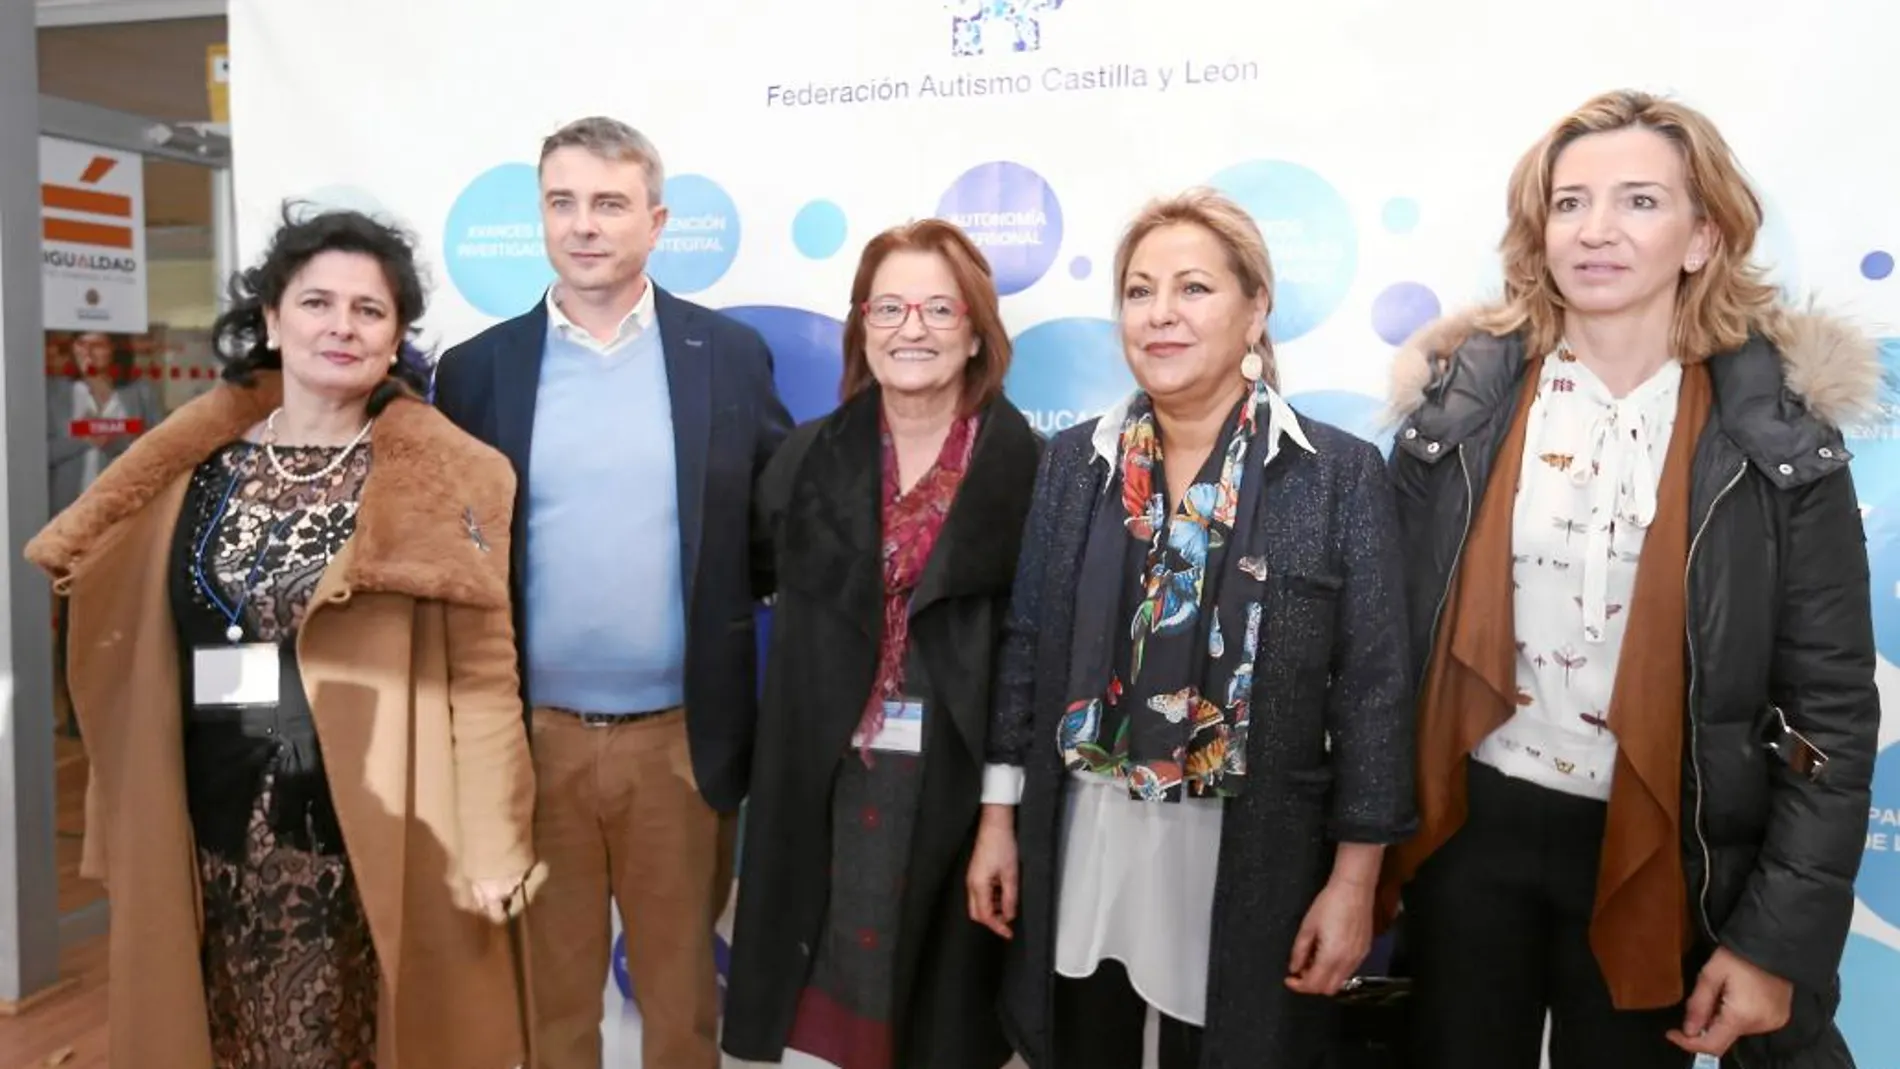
(271, 344)
(1253, 365)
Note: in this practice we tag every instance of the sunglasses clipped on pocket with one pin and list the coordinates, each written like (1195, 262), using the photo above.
(1374, 990)
(1381, 978)
(1802, 757)
(1373, 1010)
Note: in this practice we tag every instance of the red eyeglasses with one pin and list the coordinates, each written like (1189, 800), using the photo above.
(938, 313)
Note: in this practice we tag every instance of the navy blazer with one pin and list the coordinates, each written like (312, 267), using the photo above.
(719, 376)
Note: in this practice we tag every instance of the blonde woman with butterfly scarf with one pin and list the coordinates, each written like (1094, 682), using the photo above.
(1201, 733)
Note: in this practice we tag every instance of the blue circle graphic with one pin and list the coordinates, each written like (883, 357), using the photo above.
(1870, 981)
(623, 977)
(1080, 268)
(701, 238)
(1881, 524)
(1067, 371)
(1358, 414)
(1011, 214)
(1402, 308)
(1875, 446)
(807, 355)
(1400, 215)
(1311, 239)
(818, 230)
(1879, 882)
(807, 363)
(1876, 265)
(493, 243)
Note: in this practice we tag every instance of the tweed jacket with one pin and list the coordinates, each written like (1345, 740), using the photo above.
(1329, 753)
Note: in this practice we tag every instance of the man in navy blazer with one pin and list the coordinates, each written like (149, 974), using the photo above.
(637, 423)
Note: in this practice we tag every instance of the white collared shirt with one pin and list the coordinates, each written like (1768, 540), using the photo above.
(636, 323)
(1585, 499)
(86, 406)
(1280, 422)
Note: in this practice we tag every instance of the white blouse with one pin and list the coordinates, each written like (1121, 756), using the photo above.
(86, 407)
(1137, 878)
(1585, 499)
(1137, 887)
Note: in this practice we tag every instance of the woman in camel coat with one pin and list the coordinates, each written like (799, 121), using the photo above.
(405, 654)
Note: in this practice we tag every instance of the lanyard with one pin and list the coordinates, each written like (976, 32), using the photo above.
(233, 614)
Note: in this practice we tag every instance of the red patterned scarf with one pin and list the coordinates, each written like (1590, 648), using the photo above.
(911, 523)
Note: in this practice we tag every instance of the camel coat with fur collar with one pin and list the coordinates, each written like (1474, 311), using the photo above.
(408, 660)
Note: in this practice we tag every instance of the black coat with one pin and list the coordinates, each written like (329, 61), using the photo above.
(1779, 622)
(727, 422)
(1329, 755)
(821, 499)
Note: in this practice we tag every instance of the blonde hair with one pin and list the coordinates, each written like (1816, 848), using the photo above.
(1717, 306)
(1237, 234)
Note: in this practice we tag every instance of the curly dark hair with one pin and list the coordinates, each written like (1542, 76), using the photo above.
(240, 333)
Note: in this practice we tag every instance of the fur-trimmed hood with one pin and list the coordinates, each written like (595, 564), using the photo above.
(433, 522)
(1832, 367)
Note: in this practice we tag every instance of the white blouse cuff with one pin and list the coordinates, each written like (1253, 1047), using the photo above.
(1002, 784)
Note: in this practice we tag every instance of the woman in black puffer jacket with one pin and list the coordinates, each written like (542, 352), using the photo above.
(1638, 588)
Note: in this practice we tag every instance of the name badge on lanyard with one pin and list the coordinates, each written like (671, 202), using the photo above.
(903, 730)
(239, 674)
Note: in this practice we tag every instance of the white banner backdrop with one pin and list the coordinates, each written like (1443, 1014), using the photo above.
(1371, 139)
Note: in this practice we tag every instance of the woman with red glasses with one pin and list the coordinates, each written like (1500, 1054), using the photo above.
(895, 523)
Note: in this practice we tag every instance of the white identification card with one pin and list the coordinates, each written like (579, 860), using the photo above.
(234, 675)
(903, 730)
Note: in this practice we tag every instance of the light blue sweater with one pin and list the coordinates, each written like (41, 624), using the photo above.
(606, 616)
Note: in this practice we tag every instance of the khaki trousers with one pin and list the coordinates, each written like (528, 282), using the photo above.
(618, 814)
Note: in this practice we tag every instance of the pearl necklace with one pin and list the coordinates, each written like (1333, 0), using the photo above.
(270, 452)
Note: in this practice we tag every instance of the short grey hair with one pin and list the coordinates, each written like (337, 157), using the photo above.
(611, 139)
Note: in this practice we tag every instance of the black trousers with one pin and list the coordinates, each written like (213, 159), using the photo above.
(1099, 1023)
(1497, 923)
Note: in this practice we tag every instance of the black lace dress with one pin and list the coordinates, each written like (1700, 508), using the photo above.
(290, 974)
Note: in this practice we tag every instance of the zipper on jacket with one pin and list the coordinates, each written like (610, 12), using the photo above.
(1695, 752)
(1464, 533)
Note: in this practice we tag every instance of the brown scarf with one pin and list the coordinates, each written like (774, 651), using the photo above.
(1640, 928)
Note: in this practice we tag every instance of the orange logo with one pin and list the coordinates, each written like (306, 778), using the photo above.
(86, 197)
